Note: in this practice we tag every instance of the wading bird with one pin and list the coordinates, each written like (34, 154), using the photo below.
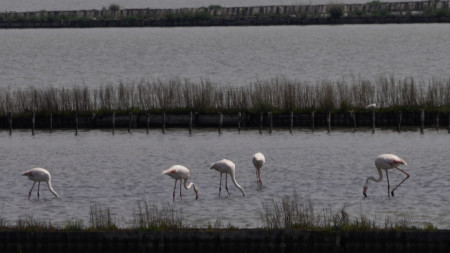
(179, 172)
(371, 106)
(258, 161)
(226, 166)
(386, 162)
(39, 175)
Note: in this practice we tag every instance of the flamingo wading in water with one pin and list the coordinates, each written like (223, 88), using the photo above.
(386, 162)
(179, 172)
(258, 161)
(228, 167)
(39, 175)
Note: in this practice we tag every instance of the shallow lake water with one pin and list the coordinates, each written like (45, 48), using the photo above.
(117, 171)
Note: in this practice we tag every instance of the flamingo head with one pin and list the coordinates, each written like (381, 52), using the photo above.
(366, 185)
(196, 191)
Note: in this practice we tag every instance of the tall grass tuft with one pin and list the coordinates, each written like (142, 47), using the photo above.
(29, 223)
(101, 218)
(154, 218)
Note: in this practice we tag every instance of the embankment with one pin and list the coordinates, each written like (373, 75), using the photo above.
(369, 13)
(259, 241)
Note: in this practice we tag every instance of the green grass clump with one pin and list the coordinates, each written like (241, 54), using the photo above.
(154, 218)
(101, 218)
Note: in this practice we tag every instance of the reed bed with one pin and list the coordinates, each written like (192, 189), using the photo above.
(277, 95)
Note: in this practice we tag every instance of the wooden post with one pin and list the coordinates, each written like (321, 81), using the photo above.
(399, 121)
(164, 122)
(312, 120)
(190, 122)
(51, 122)
(148, 122)
(76, 122)
(239, 122)
(33, 122)
(422, 120)
(260, 122)
(270, 121)
(220, 122)
(329, 121)
(352, 114)
(437, 121)
(373, 120)
(113, 122)
(10, 122)
(130, 121)
(291, 121)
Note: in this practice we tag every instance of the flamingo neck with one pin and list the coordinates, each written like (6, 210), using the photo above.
(233, 178)
(49, 183)
(380, 177)
(188, 186)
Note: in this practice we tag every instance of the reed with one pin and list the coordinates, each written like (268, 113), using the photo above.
(295, 212)
(149, 216)
(276, 95)
(101, 218)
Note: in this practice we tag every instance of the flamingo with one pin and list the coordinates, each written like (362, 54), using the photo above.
(228, 167)
(179, 172)
(39, 175)
(371, 106)
(258, 161)
(386, 162)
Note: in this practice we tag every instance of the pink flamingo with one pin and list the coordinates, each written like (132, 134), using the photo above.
(258, 162)
(386, 162)
(228, 167)
(39, 175)
(179, 172)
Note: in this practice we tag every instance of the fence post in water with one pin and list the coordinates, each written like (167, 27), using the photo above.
(76, 122)
(437, 121)
(373, 120)
(190, 122)
(291, 121)
(148, 122)
(352, 115)
(270, 122)
(422, 120)
(51, 122)
(130, 121)
(10, 121)
(329, 121)
(33, 122)
(312, 120)
(220, 122)
(113, 122)
(239, 122)
(260, 122)
(164, 122)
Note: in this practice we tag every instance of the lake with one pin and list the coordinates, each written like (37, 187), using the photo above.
(117, 171)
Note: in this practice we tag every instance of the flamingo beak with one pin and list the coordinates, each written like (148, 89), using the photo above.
(364, 191)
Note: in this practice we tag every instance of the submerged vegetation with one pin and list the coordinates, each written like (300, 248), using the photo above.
(277, 95)
(288, 212)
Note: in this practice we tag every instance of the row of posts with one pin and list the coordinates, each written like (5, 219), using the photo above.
(220, 122)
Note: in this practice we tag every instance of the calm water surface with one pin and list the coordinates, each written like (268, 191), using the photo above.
(227, 55)
(37, 5)
(119, 170)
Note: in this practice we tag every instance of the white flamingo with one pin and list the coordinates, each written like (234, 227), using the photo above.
(228, 167)
(258, 162)
(39, 175)
(386, 162)
(179, 172)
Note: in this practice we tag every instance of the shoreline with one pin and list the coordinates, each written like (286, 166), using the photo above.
(374, 12)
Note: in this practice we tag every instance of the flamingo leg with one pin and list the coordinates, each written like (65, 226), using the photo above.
(226, 184)
(220, 185)
(407, 176)
(260, 179)
(181, 196)
(174, 188)
(39, 185)
(387, 177)
(29, 194)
